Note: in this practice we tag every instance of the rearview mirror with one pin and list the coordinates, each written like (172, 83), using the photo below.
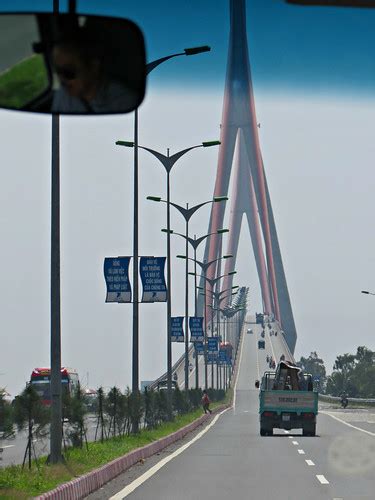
(71, 64)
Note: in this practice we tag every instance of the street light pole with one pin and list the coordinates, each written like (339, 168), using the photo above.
(187, 213)
(204, 266)
(168, 162)
(135, 342)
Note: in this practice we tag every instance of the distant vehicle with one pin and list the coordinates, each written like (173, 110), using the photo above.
(163, 385)
(262, 334)
(41, 378)
(90, 397)
(261, 344)
(249, 330)
(287, 401)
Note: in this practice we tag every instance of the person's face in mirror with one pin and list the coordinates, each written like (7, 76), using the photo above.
(78, 75)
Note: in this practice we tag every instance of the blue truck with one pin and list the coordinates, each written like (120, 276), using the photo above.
(287, 400)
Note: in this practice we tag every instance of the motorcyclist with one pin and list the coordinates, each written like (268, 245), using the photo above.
(344, 400)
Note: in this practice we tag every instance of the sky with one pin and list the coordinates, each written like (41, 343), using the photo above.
(314, 75)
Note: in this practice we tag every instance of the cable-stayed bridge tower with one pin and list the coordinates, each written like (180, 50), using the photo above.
(250, 194)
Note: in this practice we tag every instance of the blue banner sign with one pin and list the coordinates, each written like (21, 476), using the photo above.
(196, 329)
(211, 358)
(177, 332)
(116, 271)
(223, 358)
(153, 281)
(212, 344)
(199, 347)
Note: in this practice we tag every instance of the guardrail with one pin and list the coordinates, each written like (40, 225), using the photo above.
(335, 399)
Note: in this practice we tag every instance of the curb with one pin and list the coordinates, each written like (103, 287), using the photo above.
(79, 488)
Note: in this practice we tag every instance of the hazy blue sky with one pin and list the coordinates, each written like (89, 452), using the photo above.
(314, 75)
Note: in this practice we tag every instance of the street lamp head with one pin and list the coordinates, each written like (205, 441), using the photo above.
(191, 51)
(181, 256)
(168, 231)
(365, 291)
(235, 287)
(153, 198)
(208, 144)
(232, 272)
(222, 231)
(192, 274)
(227, 256)
(128, 144)
(220, 198)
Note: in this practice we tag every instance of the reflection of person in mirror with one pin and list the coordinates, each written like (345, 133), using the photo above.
(85, 86)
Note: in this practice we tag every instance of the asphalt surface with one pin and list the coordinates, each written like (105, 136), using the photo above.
(231, 460)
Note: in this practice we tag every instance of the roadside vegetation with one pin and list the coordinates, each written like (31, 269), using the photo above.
(353, 374)
(114, 414)
(17, 87)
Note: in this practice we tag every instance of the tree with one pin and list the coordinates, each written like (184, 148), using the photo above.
(6, 416)
(314, 365)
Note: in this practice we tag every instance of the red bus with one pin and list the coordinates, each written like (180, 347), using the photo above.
(41, 377)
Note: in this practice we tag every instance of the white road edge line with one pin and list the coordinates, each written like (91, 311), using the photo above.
(295, 443)
(301, 452)
(144, 477)
(322, 479)
(309, 462)
(141, 479)
(346, 423)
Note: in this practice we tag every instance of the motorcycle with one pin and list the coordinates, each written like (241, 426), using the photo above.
(344, 402)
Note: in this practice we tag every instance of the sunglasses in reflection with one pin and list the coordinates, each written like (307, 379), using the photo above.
(66, 72)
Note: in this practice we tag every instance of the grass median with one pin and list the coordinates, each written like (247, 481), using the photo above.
(16, 483)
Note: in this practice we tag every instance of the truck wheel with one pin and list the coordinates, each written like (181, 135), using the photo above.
(311, 431)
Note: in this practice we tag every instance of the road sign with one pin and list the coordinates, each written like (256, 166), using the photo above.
(212, 344)
(211, 358)
(224, 358)
(177, 332)
(199, 347)
(153, 281)
(116, 271)
(196, 329)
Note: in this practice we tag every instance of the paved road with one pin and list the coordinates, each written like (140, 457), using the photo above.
(14, 449)
(231, 460)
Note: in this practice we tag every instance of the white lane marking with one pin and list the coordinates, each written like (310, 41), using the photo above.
(141, 479)
(295, 443)
(290, 437)
(7, 446)
(246, 411)
(301, 452)
(322, 479)
(309, 462)
(346, 423)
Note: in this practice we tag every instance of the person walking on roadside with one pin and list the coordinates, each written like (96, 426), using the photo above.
(206, 402)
